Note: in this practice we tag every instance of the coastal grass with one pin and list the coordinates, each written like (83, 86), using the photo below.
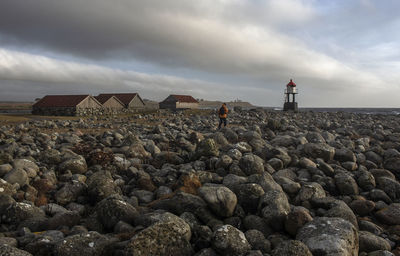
(157, 117)
(15, 105)
(20, 118)
(4, 119)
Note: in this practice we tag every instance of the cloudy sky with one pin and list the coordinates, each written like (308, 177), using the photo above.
(342, 53)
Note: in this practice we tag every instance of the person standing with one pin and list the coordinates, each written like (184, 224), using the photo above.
(223, 114)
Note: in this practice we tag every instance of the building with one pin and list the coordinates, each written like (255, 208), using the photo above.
(290, 102)
(110, 102)
(179, 102)
(67, 105)
(130, 100)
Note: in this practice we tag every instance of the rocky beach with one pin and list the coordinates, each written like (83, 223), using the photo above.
(170, 183)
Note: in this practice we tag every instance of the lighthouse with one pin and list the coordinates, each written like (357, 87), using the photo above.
(290, 91)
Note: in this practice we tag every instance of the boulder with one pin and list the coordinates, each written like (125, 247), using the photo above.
(346, 184)
(296, 219)
(18, 176)
(100, 185)
(257, 241)
(228, 240)
(330, 236)
(70, 192)
(307, 163)
(27, 165)
(76, 165)
(18, 212)
(88, 244)
(207, 147)
(6, 188)
(291, 248)
(152, 218)
(266, 181)
(274, 207)
(370, 242)
(257, 223)
(315, 137)
(381, 253)
(319, 150)
(393, 164)
(248, 196)
(8, 241)
(309, 191)
(251, 164)
(8, 250)
(389, 215)
(374, 157)
(113, 209)
(370, 227)
(161, 238)
(390, 186)
(224, 162)
(345, 155)
(4, 169)
(283, 141)
(362, 207)
(335, 208)
(366, 180)
(325, 168)
(221, 200)
(179, 203)
(230, 135)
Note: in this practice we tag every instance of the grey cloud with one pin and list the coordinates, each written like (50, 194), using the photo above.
(31, 76)
(261, 42)
(170, 33)
(26, 76)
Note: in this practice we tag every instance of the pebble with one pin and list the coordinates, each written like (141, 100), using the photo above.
(271, 183)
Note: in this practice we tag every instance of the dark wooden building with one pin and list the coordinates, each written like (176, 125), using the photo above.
(110, 102)
(67, 105)
(174, 101)
(130, 100)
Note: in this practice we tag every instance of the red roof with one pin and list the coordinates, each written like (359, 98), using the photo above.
(291, 83)
(184, 98)
(102, 98)
(60, 100)
(125, 98)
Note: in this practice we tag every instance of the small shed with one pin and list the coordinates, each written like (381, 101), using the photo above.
(174, 101)
(130, 100)
(67, 105)
(110, 102)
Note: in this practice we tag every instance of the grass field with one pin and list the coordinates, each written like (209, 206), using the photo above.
(15, 105)
(6, 119)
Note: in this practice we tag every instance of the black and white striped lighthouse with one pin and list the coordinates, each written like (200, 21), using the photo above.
(290, 97)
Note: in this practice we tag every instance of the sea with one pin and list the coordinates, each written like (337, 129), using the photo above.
(367, 111)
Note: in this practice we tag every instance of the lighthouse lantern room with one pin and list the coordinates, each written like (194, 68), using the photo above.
(290, 97)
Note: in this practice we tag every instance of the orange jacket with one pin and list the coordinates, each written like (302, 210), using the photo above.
(226, 112)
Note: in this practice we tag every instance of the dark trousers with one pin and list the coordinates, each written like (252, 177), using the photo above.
(221, 120)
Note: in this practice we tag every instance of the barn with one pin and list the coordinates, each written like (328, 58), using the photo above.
(130, 100)
(110, 102)
(174, 101)
(67, 105)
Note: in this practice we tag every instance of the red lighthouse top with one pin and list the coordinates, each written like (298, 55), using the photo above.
(291, 84)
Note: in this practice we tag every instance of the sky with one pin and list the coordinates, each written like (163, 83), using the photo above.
(342, 53)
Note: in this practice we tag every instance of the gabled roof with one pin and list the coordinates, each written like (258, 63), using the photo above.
(103, 98)
(184, 98)
(291, 83)
(125, 98)
(60, 100)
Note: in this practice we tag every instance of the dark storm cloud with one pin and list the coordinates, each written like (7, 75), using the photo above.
(173, 33)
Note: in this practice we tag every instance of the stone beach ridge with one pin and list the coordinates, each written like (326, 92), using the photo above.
(169, 183)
